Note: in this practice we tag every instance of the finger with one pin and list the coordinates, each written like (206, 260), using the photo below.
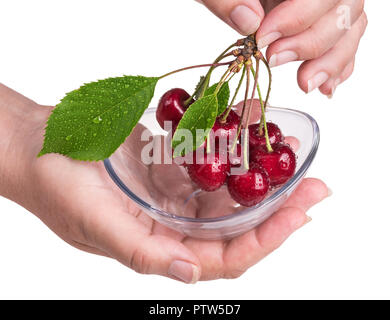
(243, 15)
(166, 175)
(134, 145)
(310, 192)
(125, 239)
(293, 142)
(318, 39)
(216, 204)
(256, 110)
(245, 251)
(291, 17)
(270, 5)
(210, 254)
(133, 156)
(314, 73)
(330, 86)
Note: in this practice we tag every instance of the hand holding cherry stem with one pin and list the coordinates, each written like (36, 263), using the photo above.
(324, 34)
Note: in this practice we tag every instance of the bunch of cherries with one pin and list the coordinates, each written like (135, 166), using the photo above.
(270, 162)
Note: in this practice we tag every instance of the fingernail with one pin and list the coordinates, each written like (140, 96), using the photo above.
(268, 39)
(184, 271)
(245, 19)
(318, 80)
(330, 192)
(304, 222)
(335, 85)
(278, 59)
(332, 93)
(308, 219)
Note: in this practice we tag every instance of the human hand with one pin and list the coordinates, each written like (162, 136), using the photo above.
(82, 205)
(325, 34)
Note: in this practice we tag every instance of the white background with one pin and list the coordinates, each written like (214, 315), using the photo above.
(50, 47)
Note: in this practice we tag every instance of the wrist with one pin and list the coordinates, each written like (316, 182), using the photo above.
(20, 119)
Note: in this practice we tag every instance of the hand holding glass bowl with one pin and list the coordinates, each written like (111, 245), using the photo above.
(160, 222)
(83, 206)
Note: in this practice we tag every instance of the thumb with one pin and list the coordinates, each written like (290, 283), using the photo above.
(244, 16)
(125, 239)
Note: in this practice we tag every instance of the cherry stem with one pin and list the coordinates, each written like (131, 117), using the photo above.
(246, 137)
(261, 99)
(221, 82)
(255, 86)
(205, 83)
(248, 80)
(213, 65)
(269, 81)
(234, 97)
(227, 55)
(231, 77)
(223, 79)
(208, 144)
(263, 122)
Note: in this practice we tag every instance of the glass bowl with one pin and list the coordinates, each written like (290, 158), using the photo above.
(166, 194)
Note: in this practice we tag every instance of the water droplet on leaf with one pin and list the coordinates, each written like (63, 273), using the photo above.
(97, 120)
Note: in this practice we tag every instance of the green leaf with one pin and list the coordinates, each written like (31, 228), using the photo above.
(200, 115)
(92, 122)
(199, 86)
(223, 96)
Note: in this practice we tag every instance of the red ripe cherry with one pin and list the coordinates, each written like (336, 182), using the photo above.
(227, 129)
(212, 174)
(279, 164)
(249, 188)
(223, 131)
(274, 133)
(171, 107)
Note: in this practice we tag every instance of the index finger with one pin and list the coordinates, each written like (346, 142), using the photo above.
(291, 17)
(256, 110)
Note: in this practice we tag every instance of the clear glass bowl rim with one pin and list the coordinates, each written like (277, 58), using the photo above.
(246, 212)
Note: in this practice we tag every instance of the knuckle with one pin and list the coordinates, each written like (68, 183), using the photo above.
(298, 23)
(139, 262)
(360, 5)
(364, 22)
(314, 48)
(352, 68)
(348, 70)
(290, 24)
(234, 273)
